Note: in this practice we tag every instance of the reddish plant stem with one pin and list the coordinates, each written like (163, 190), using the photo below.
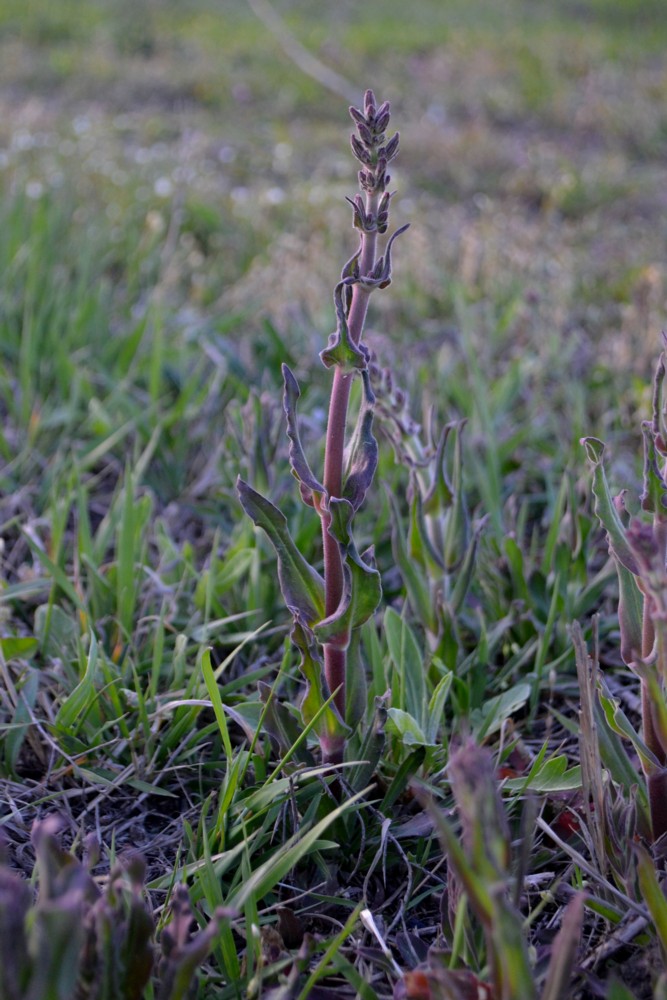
(335, 657)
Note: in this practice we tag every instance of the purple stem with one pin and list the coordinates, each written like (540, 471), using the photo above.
(335, 657)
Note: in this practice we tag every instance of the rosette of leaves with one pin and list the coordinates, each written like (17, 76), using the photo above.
(328, 609)
(638, 546)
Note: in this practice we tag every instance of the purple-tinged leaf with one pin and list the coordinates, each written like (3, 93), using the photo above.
(298, 461)
(351, 267)
(301, 585)
(380, 276)
(362, 589)
(341, 350)
(362, 452)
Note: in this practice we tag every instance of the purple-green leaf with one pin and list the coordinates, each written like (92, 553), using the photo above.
(301, 585)
(341, 350)
(362, 589)
(298, 461)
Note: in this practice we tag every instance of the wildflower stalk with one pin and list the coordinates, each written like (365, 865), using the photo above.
(327, 610)
(335, 658)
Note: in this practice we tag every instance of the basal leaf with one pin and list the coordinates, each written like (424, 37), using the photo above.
(409, 665)
(403, 725)
(301, 585)
(552, 776)
(330, 723)
(495, 711)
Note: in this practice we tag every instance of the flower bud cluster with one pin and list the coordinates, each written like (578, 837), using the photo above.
(374, 153)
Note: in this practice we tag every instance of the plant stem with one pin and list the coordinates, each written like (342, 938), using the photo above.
(335, 657)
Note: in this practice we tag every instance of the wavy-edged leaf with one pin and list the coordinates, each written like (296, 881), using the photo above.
(301, 585)
(341, 349)
(362, 588)
(362, 453)
(309, 484)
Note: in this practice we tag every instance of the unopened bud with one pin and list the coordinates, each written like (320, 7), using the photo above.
(391, 149)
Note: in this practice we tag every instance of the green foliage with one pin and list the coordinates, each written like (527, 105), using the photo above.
(169, 183)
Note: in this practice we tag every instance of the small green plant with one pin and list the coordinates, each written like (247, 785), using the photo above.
(639, 550)
(78, 941)
(329, 610)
